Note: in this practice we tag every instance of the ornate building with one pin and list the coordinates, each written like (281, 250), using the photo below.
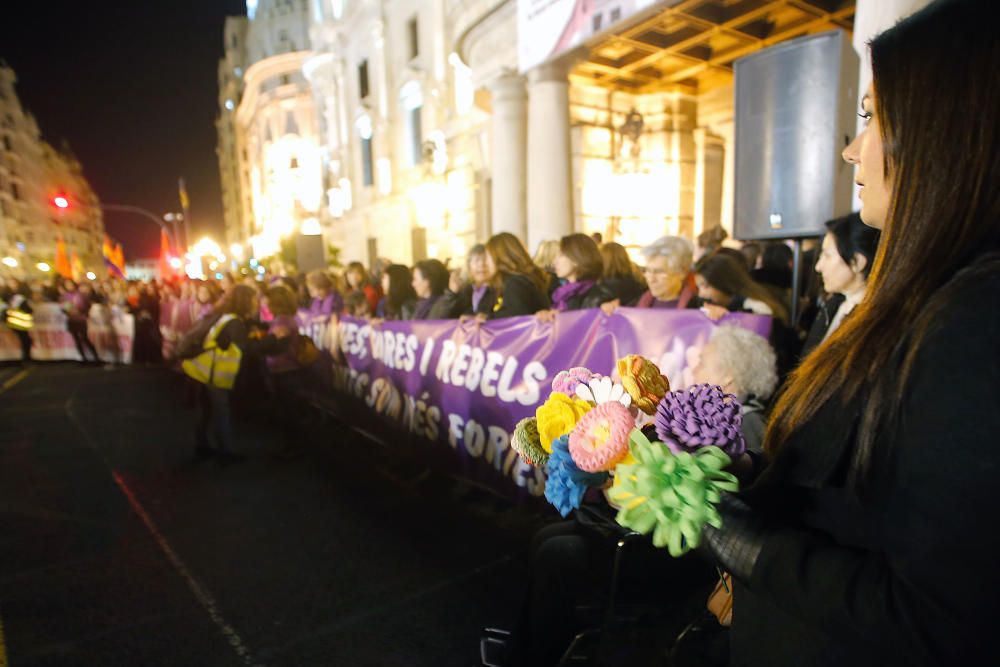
(32, 175)
(441, 122)
(269, 150)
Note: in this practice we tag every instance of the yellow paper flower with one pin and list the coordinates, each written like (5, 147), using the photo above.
(643, 381)
(557, 416)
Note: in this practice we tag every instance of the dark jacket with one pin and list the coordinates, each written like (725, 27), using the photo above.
(460, 303)
(520, 296)
(824, 316)
(906, 575)
(627, 290)
(592, 298)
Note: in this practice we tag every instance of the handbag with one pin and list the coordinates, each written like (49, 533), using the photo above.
(720, 602)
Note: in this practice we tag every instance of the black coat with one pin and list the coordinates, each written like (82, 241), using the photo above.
(627, 290)
(520, 297)
(908, 575)
(824, 316)
(593, 298)
(460, 303)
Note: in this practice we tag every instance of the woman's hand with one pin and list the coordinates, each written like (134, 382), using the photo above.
(546, 315)
(714, 312)
(609, 307)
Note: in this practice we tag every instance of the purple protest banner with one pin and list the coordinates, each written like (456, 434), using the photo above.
(466, 386)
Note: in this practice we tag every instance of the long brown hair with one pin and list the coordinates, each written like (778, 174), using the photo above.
(941, 230)
(511, 258)
(728, 274)
(239, 301)
(617, 263)
(585, 255)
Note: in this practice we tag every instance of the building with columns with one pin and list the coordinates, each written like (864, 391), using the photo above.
(32, 174)
(441, 122)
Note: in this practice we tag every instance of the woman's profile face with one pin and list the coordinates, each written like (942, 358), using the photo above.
(564, 267)
(421, 285)
(838, 276)
(709, 293)
(868, 158)
(354, 278)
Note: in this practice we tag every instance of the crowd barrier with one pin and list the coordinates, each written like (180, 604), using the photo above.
(111, 330)
(458, 389)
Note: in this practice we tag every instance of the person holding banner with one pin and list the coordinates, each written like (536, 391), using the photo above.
(521, 287)
(474, 296)
(580, 267)
(871, 538)
(400, 299)
(430, 280)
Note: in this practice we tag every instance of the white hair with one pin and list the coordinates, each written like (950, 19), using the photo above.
(678, 251)
(748, 357)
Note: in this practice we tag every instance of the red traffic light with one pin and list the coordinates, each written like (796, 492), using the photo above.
(60, 202)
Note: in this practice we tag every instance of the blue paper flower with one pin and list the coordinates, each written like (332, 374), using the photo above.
(566, 484)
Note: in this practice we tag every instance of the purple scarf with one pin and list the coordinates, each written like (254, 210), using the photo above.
(328, 305)
(564, 293)
(424, 307)
(477, 295)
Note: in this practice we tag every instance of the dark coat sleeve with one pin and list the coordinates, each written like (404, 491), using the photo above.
(520, 297)
(454, 304)
(929, 594)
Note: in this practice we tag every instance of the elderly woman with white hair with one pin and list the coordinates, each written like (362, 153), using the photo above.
(742, 363)
(668, 274)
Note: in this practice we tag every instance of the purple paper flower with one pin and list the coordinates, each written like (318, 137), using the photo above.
(700, 416)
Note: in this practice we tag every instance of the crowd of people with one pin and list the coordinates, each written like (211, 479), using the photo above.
(862, 536)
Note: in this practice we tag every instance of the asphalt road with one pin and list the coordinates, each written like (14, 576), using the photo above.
(115, 549)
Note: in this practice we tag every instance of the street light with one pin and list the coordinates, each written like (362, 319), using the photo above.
(43, 267)
(10, 261)
(61, 202)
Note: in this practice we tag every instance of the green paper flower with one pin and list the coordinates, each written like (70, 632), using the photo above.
(671, 495)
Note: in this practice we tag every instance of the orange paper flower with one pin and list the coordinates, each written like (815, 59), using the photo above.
(643, 381)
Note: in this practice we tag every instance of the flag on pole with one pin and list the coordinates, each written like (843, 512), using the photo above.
(76, 266)
(165, 268)
(63, 267)
(119, 257)
(183, 193)
(108, 250)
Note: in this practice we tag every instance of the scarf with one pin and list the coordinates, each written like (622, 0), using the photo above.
(477, 296)
(424, 307)
(565, 293)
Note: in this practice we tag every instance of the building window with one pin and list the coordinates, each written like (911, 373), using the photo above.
(7, 144)
(415, 135)
(363, 89)
(367, 163)
(15, 192)
(413, 37)
(285, 80)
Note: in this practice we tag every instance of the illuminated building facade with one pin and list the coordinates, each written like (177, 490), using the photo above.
(32, 174)
(441, 122)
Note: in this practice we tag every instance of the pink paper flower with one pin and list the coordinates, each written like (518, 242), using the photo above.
(600, 439)
(566, 382)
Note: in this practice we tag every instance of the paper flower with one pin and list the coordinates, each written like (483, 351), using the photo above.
(566, 483)
(600, 439)
(557, 416)
(601, 389)
(526, 443)
(700, 416)
(643, 382)
(671, 495)
(566, 381)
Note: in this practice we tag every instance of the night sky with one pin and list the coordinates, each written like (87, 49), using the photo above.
(132, 88)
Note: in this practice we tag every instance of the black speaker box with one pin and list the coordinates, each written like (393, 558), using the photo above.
(795, 112)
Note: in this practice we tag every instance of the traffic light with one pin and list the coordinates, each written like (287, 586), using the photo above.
(60, 201)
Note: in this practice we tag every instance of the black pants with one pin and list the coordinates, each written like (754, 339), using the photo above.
(78, 330)
(212, 418)
(571, 566)
(291, 410)
(24, 338)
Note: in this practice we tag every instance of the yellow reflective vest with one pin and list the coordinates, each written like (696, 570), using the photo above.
(214, 366)
(19, 320)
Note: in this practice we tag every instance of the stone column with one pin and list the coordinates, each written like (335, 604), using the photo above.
(508, 210)
(550, 194)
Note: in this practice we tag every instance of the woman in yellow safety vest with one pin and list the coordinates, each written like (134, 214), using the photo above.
(215, 370)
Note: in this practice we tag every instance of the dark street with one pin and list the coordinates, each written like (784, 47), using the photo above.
(117, 549)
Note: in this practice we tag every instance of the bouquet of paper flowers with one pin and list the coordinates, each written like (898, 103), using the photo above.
(665, 478)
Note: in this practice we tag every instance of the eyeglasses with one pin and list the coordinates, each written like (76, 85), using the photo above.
(655, 272)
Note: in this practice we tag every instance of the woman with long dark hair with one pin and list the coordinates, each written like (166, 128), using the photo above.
(430, 280)
(521, 286)
(621, 276)
(870, 539)
(725, 281)
(579, 266)
(400, 300)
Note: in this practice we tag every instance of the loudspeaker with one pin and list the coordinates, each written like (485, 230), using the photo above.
(795, 112)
